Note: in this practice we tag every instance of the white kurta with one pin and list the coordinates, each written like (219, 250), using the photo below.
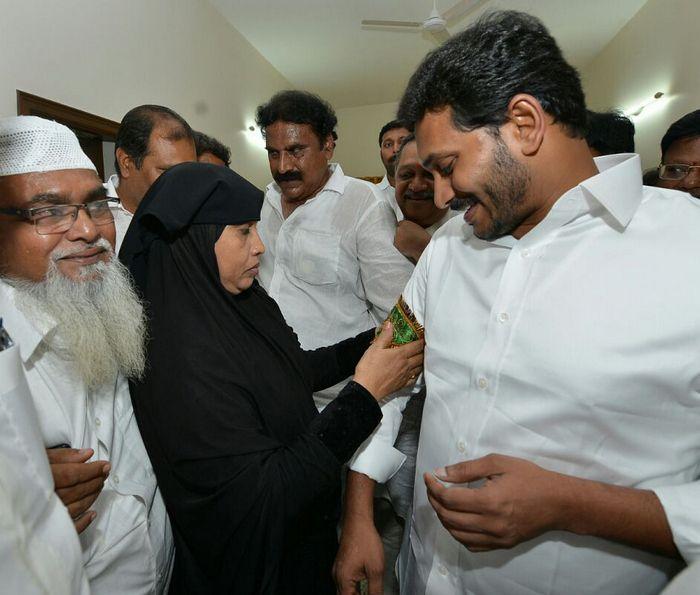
(128, 548)
(39, 548)
(576, 348)
(388, 193)
(331, 265)
(122, 217)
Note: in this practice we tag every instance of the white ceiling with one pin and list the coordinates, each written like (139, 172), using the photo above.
(319, 45)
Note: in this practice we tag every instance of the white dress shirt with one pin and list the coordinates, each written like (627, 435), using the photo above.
(388, 193)
(575, 347)
(122, 217)
(39, 548)
(331, 265)
(128, 548)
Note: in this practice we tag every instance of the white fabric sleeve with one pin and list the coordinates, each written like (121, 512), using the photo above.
(383, 269)
(681, 504)
(376, 457)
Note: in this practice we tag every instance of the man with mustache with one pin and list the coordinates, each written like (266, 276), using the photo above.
(559, 448)
(680, 155)
(420, 217)
(390, 138)
(329, 263)
(68, 303)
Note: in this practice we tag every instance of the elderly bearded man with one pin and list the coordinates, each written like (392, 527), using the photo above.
(559, 447)
(68, 303)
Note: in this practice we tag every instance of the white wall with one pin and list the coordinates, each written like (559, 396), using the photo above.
(107, 56)
(655, 51)
(358, 130)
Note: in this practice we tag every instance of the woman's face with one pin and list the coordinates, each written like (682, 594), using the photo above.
(238, 251)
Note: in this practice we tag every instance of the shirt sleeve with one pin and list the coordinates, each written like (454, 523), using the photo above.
(681, 505)
(383, 269)
(377, 458)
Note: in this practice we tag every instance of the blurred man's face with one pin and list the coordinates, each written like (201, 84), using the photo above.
(684, 152)
(24, 253)
(414, 189)
(391, 141)
(298, 159)
(163, 153)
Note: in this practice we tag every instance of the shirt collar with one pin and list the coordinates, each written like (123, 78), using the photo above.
(618, 186)
(23, 333)
(384, 184)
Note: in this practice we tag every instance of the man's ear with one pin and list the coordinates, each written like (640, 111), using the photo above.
(329, 147)
(525, 113)
(126, 163)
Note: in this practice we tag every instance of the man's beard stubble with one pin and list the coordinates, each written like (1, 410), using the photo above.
(100, 321)
(506, 188)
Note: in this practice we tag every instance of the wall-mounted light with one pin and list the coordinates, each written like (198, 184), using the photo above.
(253, 136)
(633, 113)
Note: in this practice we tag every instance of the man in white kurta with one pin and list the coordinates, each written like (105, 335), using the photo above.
(39, 548)
(330, 262)
(559, 448)
(65, 301)
(391, 136)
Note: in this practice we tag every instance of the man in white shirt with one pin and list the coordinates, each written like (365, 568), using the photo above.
(559, 446)
(329, 263)
(390, 138)
(67, 302)
(39, 548)
(151, 139)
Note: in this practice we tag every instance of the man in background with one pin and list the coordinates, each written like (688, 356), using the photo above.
(210, 150)
(151, 139)
(390, 137)
(330, 261)
(680, 155)
(609, 133)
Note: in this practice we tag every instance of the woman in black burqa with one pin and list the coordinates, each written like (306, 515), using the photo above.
(249, 471)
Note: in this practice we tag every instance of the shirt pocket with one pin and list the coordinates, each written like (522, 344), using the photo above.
(315, 257)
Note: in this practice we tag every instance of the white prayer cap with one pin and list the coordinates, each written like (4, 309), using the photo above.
(30, 144)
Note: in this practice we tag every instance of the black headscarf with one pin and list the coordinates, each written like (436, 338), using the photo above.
(227, 389)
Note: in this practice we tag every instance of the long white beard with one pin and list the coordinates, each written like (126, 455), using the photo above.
(100, 320)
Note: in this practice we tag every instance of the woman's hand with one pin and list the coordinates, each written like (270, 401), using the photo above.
(384, 370)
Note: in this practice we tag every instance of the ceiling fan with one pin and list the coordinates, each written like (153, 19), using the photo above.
(436, 23)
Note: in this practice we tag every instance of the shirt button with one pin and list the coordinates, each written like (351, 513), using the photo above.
(442, 569)
(115, 478)
(482, 383)
(97, 421)
(461, 446)
(525, 253)
(503, 317)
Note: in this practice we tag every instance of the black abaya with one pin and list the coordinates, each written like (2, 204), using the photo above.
(249, 471)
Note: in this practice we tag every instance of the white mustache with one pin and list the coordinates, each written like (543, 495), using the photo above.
(57, 254)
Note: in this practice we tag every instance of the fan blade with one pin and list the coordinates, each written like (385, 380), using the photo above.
(440, 35)
(391, 23)
(462, 8)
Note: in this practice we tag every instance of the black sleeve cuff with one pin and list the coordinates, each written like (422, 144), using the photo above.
(347, 421)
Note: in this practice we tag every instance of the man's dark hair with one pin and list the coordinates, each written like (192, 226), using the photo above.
(299, 107)
(686, 127)
(393, 125)
(137, 125)
(478, 72)
(406, 139)
(610, 133)
(207, 144)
